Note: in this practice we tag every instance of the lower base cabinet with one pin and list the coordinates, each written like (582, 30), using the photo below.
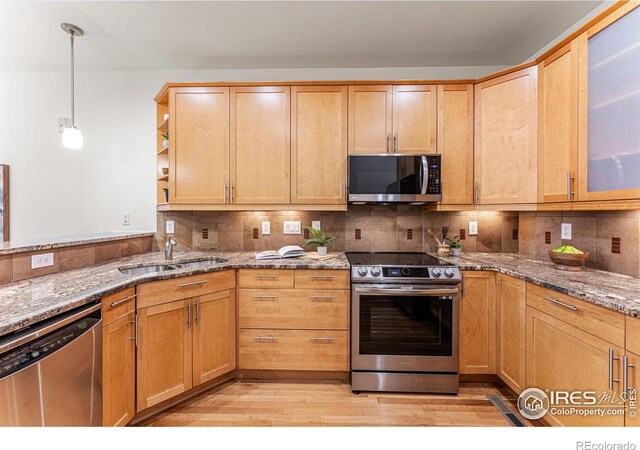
(510, 331)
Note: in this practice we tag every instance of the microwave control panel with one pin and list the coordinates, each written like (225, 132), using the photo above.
(433, 178)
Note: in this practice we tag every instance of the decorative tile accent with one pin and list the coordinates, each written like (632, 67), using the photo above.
(358, 234)
(462, 233)
(255, 233)
(547, 237)
(514, 234)
(410, 234)
(615, 245)
(205, 233)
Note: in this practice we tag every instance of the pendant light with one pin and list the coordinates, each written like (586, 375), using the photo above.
(71, 136)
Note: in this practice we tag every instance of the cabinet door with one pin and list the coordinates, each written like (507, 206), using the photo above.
(414, 119)
(198, 145)
(370, 116)
(164, 352)
(119, 372)
(561, 357)
(506, 138)
(318, 145)
(609, 137)
(478, 323)
(631, 418)
(511, 331)
(214, 335)
(260, 145)
(455, 143)
(558, 125)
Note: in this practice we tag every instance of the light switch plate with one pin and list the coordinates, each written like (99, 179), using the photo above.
(473, 228)
(316, 224)
(565, 229)
(170, 227)
(292, 227)
(266, 227)
(41, 260)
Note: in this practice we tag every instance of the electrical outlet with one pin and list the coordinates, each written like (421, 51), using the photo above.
(41, 260)
(170, 228)
(266, 228)
(316, 224)
(473, 228)
(565, 231)
(292, 227)
(126, 219)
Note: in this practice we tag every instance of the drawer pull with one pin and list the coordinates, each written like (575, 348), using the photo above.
(558, 302)
(273, 277)
(611, 359)
(322, 277)
(265, 338)
(113, 304)
(322, 297)
(261, 297)
(327, 339)
(193, 283)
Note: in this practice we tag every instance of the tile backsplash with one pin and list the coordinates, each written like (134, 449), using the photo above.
(362, 228)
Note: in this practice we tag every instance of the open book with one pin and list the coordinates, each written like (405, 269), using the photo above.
(290, 251)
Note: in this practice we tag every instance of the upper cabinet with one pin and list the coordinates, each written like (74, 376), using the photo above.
(506, 138)
(260, 145)
(558, 125)
(392, 119)
(199, 141)
(318, 145)
(609, 107)
(455, 142)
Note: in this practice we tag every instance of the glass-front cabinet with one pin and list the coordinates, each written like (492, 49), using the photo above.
(609, 107)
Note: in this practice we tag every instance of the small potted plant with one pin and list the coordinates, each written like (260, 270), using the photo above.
(165, 136)
(320, 239)
(454, 245)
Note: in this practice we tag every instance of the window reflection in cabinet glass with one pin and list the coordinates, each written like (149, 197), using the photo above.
(614, 106)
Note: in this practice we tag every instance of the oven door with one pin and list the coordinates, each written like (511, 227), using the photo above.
(404, 329)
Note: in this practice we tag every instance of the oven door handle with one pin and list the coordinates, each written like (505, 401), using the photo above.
(383, 291)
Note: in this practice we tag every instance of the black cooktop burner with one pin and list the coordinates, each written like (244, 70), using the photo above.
(392, 259)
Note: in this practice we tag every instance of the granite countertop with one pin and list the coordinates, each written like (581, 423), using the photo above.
(614, 291)
(11, 247)
(26, 302)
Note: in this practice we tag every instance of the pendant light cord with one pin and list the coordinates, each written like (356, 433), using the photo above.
(73, 113)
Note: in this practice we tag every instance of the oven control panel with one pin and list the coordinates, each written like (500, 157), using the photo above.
(369, 273)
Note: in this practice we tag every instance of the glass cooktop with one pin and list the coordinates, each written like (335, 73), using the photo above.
(392, 259)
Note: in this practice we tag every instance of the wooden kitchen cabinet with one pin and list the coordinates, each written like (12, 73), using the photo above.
(558, 125)
(478, 323)
(370, 119)
(511, 331)
(198, 145)
(506, 138)
(318, 145)
(118, 358)
(414, 119)
(455, 142)
(260, 145)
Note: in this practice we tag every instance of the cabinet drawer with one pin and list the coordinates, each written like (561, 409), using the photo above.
(269, 349)
(265, 278)
(294, 309)
(164, 291)
(633, 335)
(322, 279)
(117, 305)
(594, 319)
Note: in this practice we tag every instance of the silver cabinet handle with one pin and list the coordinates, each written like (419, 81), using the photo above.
(322, 277)
(263, 297)
(193, 283)
(265, 338)
(123, 300)
(395, 143)
(625, 375)
(389, 142)
(225, 192)
(327, 339)
(230, 192)
(462, 286)
(612, 358)
(558, 302)
(476, 188)
(322, 297)
(266, 276)
(135, 335)
(570, 193)
(197, 310)
(189, 315)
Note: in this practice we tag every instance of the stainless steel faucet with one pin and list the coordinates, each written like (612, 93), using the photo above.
(168, 248)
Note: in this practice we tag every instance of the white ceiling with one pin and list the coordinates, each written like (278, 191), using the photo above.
(315, 34)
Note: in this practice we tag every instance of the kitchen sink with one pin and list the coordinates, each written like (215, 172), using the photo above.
(164, 267)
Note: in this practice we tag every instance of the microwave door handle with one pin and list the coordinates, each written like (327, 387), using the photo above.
(425, 175)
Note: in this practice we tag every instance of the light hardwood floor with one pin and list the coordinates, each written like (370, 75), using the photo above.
(251, 403)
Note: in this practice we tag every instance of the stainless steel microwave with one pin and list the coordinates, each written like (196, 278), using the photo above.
(394, 178)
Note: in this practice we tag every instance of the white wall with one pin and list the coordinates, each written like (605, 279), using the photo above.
(58, 192)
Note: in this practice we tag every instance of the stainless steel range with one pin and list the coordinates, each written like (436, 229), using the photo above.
(405, 311)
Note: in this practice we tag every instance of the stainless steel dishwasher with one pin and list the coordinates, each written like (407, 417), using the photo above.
(51, 373)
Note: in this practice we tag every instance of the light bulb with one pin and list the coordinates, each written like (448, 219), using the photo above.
(72, 138)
